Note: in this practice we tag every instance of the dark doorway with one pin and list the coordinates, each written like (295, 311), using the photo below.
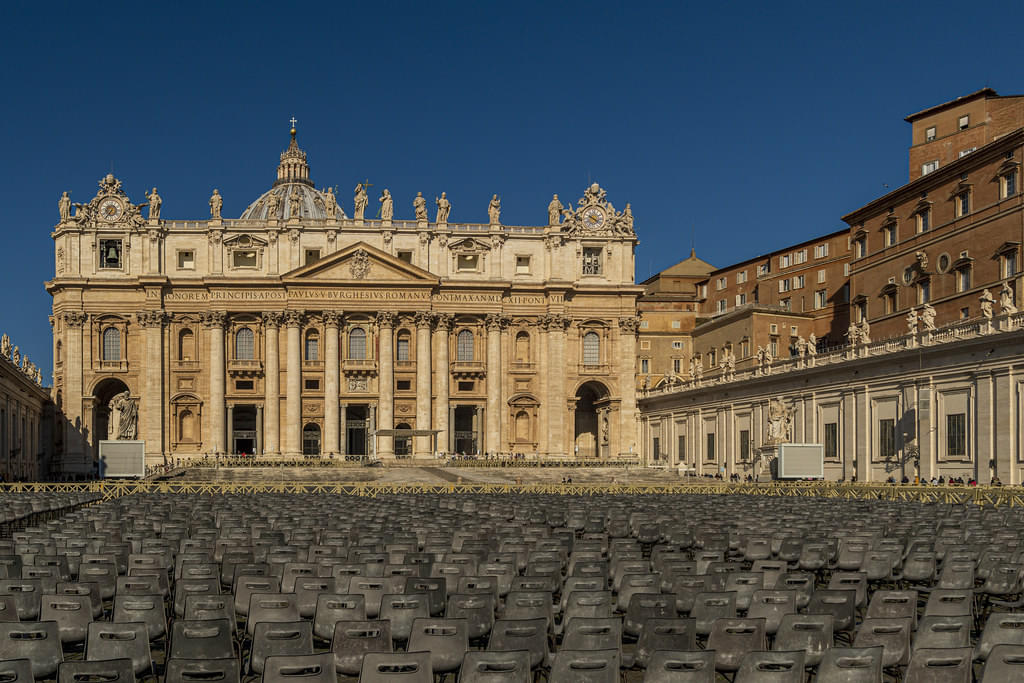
(355, 432)
(588, 438)
(105, 390)
(465, 430)
(311, 440)
(243, 430)
(403, 444)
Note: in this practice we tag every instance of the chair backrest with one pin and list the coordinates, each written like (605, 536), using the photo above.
(477, 610)
(203, 671)
(851, 665)
(401, 610)
(942, 665)
(207, 639)
(107, 671)
(947, 602)
(522, 634)
(731, 639)
(891, 604)
(447, 641)
(708, 607)
(665, 634)
(892, 634)
(841, 604)
(668, 666)
(592, 633)
(1004, 663)
(279, 638)
(73, 614)
(495, 667)
(811, 633)
(16, 671)
(592, 666)
(37, 641)
(271, 607)
(771, 667)
(407, 667)
(352, 639)
(113, 641)
(145, 608)
(939, 632)
(300, 669)
(1000, 629)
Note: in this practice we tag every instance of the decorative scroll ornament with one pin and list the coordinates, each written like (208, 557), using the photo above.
(595, 216)
(109, 208)
(359, 266)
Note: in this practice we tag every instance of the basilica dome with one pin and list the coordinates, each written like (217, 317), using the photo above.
(293, 187)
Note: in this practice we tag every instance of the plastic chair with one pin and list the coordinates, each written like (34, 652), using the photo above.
(851, 665)
(841, 604)
(646, 606)
(279, 639)
(811, 633)
(37, 641)
(893, 605)
(731, 639)
(771, 666)
(407, 667)
(495, 667)
(148, 609)
(583, 633)
(16, 671)
(309, 589)
(300, 669)
(664, 634)
(1000, 629)
(447, 641)
(709, 607)
(114, 641)
(586, 666)
(107, 671)
(943, 632)
(248, 585)
(401, 611)
(208, 639)
(271, 607)
(73, 614)
(353, 639)
(186, 587)
(522, 634)
(943, 665)
(477, 610)
(892, 634)
(332, 608)
(1005, 663)
(772, 605)
(26, 595)
(667, 666)
(202, 671)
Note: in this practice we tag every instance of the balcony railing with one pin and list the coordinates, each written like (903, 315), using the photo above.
(405, 364)
(598, 369)
(359, 365)
(113, 366)
(245, 365)
(312, 365)
(185, 364)
(468, 366)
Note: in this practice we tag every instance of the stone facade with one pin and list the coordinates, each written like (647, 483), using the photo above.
(26, 418)
(297, 330)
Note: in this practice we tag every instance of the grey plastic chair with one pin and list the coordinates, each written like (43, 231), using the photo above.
(772, 666)
(1005, 664)
(107, 671)
(667, 666)
(851, 665)
(407, 667)
(495, 667)
(942, 665)
(586, 666)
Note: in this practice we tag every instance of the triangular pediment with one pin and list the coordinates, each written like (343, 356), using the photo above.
(360, 262)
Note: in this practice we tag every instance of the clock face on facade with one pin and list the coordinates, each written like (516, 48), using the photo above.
(593, 218)
(110, 210)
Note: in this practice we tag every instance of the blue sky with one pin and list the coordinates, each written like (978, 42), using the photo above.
(739, 126)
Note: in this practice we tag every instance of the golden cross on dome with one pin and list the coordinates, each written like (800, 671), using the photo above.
(294, 122)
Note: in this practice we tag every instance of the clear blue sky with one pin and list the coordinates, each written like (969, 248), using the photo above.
(742, 126)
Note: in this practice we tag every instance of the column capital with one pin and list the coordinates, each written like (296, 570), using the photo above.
(444, 321)
(151, 318)
(630, 325)
(555, 322)
(424, 319)
(332, 318)
(75, 318)
(495, 322)
(386, 319)
(294, 318)
(272, 318)
(213, 319)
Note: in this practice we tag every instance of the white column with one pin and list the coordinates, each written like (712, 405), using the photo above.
(627, 385)
(152, 412)
(293, 384)
(75, 454)
(272, 379)
(442, 376)
(332, 320)
(544, 378)
(422, 444)
(557, 372)
(386, 383)
(343, 448)
(215, 320)
(492, 435)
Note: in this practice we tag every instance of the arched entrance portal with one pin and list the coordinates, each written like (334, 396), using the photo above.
(591, 433)
(101, 396)
(403, 444)
(311, 440)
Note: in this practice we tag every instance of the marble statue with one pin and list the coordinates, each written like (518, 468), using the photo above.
(768, 358)
(387, 205)
(853, 334)
(124, 416)
(627, 216)
(554, 211)
(419, 205)
(16, 356)
(64, 207)
(295, 203)
(865, 332)
(698, 369)
(330, 204)
(987, 300)
(444, 207)
(216, 204)
(604, 427)
(361, 201)
(81, 213)
(1006, 300)
(928, 317)
(780, 422)
(155, 202)
(912, 321)
(801, 346)
(922, 260)
(494, 210)
(5, 346)
(812, 345)
(273, 203)
(39, 377)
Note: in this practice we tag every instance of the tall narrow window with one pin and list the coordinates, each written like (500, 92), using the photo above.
(924, 292)
(111, 344)
(591, 349)
(522, 347)
(831, 440)
(924, 219)
(887, 439)
(956, 434)
(710, 455)
(1010, 263)
(244, 344)
(963, 203)
(186, 345)
(1009, 184)
(357, 343)
(464, 346)
(744, 444)
(312, 345)
(402, 347)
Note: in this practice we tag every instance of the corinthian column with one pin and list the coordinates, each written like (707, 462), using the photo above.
(442, 374)
(627, 382)
(74, 443)
(423, 322)
(293, 385)
(386, 384)
(152, 412)
(557, 371)
(332, 320)
(492, 437)
(214, 321)
(272, 400)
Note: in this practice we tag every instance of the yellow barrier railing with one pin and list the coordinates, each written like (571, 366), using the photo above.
(977, 495)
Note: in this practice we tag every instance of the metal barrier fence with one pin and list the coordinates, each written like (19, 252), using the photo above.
(977, 495)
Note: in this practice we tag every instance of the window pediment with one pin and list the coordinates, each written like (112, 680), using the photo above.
(1006, 167)
(921, 207)
(1006, 248)
(469, 246)
(959, 189)
(245, 241)
(888, 290)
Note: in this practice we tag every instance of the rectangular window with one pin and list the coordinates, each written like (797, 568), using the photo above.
(110, 253)
(645, 366)
(402, 349)
(929, 167)
(677, 365)
(522, 265)
(963, 204)
(964, 122)
(744, 348)
(644, 324)
(1010, 264)
(773, 328)
(312, 348)
(924, 291)
(677, 344)
(592, 260)
(965, 313)
(887, 439)
(965, 152)
(722, 306)
(656, 448)
(243, 258)
(786, 303)
(403, 385)
(846, 269)
(929, 134)
(963, 279)
(645, 344)
(821, 251)
(741, 299)
(1009, 184)
(312, 384)
(710, 454)
(312, 256)
(890, 235)
(798, 282)
(721, 283)
(186, 260)
(712, 358)
(741, 277)
(821, 276)
(860, 248)
(676, 324)
(465, 386)
(793, 331)
(681, 449)
(405, 255)
(467, 263)
(800, 256)
(831, 441)
(784, 261)
(744, 444)
(762, 269)
(244, 385)
(956, 434)
(924, 219)
(784, 285)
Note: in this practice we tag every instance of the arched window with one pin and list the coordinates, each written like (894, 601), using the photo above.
(464, 346)
(522, 426)
(402, 347)
(311, 440)
(186, 345)
(111, 344)
(522, 347)
(312, 345)
(245, 344)
(591, 349)
(357, 344)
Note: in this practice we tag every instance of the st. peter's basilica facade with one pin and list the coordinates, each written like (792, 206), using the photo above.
(297, 330)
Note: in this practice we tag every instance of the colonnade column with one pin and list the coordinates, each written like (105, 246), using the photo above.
(214, 321)
(543, 433)
(492, 436)
(74, 443)
(443, 375)
(343, 446)
(332, 320)
(151, 419)
(422, 444)
(557, 371)
(628, 328)
(230, 424)
(293, 387)
(386, 381)
(272, 402)
(259, 432)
